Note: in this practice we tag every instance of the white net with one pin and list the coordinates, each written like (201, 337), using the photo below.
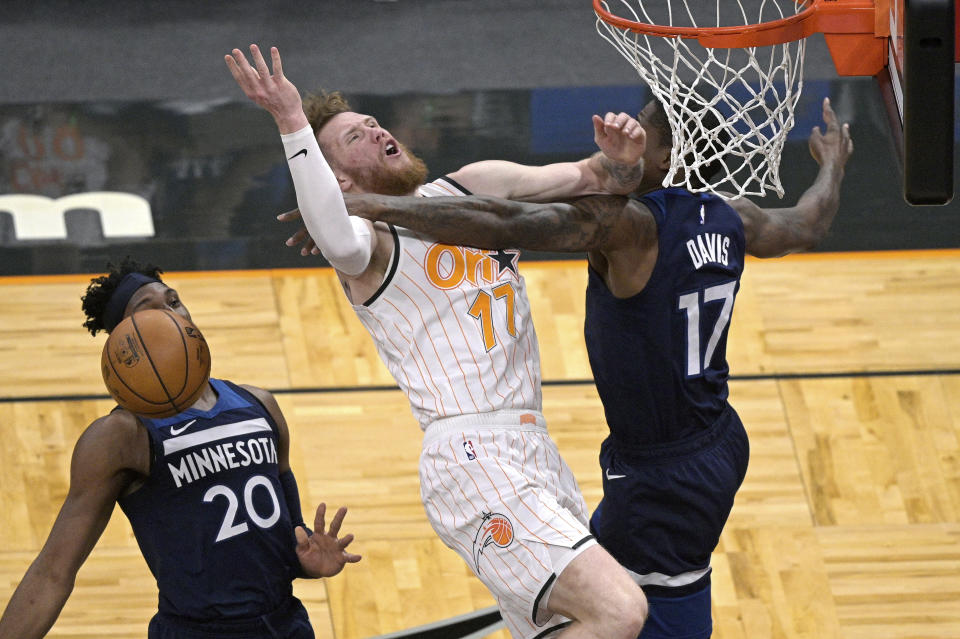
(729, 107)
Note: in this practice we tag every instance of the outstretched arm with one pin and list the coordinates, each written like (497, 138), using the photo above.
(595, 223)
(347, 243)
(777, 231)
(321, 552)
(616, 169)
(97, 478)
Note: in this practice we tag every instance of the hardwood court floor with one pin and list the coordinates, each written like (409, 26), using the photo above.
(847, 526)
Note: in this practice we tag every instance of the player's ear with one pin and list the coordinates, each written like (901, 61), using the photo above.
(344, 181)
(661, 158)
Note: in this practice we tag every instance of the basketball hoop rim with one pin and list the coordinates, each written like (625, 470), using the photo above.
(837, 16)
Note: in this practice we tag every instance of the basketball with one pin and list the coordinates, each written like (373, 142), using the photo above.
(501, 531)
(155, 363)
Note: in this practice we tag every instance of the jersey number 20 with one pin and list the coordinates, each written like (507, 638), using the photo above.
(230, 527)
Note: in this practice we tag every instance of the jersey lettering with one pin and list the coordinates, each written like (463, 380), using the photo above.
(708, 247)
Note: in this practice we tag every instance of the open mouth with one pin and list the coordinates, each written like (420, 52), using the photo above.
(391, 149)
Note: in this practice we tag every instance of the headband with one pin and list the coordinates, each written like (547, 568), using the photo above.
(117, 303)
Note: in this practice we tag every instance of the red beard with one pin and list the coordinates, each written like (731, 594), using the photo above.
(393, 180)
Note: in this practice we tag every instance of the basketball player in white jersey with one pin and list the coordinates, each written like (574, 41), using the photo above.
(453, 326)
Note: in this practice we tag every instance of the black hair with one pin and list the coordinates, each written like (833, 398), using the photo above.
(94, 301)
(703, 146)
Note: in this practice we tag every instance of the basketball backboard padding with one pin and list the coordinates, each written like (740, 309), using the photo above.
(929, 35)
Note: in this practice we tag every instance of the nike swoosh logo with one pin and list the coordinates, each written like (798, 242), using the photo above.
(609, 476)
(177, 431)
(303, 151)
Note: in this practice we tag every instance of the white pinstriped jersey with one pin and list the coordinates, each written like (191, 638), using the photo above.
(453, 326)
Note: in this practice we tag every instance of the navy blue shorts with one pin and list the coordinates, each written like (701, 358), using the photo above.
(685, 617)
(290, 621)
(664, 507)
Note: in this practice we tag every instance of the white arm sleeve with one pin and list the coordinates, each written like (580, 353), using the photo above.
(343, 239)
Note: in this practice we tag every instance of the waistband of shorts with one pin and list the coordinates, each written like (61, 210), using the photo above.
(254, 626)
(682, 447)
(507, 419)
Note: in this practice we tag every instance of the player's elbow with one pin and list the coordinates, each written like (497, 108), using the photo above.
(350, 259)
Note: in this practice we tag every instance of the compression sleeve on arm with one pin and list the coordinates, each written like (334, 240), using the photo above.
(343, 239)
(292, 498)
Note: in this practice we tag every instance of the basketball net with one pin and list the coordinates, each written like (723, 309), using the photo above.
(732, 106)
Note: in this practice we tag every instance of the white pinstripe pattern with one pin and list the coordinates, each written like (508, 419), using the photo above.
(437, 352)
(517, 472)
(435, 349)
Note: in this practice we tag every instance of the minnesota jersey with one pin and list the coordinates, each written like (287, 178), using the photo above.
(211, 519)
(659, 358)
(452, 324)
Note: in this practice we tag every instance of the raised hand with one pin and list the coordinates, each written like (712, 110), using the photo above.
(835, 144)
(322, 554)
(274, 92)
(620, 137)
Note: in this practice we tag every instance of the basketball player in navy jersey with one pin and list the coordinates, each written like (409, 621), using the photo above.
(210, 496)
(664, 270)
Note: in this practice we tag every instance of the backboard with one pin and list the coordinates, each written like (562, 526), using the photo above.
(918, 85)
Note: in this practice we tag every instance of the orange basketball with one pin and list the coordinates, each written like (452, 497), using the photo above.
(155, 363)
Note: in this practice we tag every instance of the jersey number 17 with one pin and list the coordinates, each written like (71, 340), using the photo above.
(695, 305)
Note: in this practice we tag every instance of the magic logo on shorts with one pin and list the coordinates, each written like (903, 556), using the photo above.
(496, 530)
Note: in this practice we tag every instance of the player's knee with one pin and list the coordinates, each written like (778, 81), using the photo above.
(629, 614)
(621, 613)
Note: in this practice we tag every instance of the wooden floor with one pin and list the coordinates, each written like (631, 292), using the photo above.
(848, 524)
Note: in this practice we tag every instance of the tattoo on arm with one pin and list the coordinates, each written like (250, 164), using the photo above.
(625, 176)
(590, 223)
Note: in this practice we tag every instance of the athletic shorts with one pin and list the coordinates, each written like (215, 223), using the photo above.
(497, 492)
(664, 507)
(290, 621)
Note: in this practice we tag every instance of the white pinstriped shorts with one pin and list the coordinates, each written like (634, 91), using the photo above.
(496, 490)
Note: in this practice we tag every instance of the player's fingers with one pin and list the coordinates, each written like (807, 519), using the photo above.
(345, 541)
(828, 115)
(337, 520)
(250, 74)
(297, 237)
(237, 63)
(287, 216)
(625, 121)
(598, 125)
(232, 67)
(318, 519)
(633, 129)
(275, 60)
(302, 537)
(259, 62)
(350, 558)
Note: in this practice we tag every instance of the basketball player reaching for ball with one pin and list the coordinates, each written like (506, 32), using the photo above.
(664, 269)
(210, 496)
(453, 327)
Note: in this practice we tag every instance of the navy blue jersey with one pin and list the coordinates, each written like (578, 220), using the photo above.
(659, 357)
(211, 519)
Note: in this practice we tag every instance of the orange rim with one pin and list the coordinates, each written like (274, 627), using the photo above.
(841, 16)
